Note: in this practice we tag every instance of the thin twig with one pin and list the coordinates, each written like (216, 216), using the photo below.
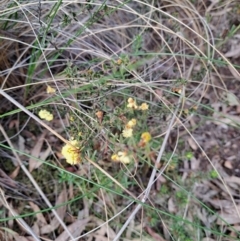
(39, 13)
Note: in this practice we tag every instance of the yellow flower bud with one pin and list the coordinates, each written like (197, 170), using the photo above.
(50, 90)
(131, 123)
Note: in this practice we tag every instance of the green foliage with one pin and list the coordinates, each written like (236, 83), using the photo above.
(152, 217)
(214, 174)
(66, 177)
(179, 232)
(181, 197)
(137, 44)
(164, 189)
(189, 155)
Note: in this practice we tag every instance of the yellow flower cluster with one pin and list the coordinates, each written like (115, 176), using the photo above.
(72, 152)
(128, 130)
(127, 133)
(133, 105)
(45, 115)
(50, 90)
(145, 138)
(121, 156)
(131, 123)
(143, 106)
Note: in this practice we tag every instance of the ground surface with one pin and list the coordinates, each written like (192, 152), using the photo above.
(181, 58)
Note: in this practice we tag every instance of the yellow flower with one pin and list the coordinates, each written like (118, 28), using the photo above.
(121, 156)
(71, 118)
(125, 159)
(146, 137)
(132, 103)
(50, 90)
(143, 106)
(71, 152)
(46, 115)
(127, 132)
(131, 123)
(115, 157)
(119, 61)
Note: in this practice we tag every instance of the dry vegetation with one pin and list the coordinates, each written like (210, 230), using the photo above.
(144, 95)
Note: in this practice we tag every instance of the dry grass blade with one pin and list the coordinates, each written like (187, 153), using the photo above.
(20, 221)
(33, 163)
(61, 211)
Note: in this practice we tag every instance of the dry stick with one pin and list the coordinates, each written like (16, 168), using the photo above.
(20, 162)
(150, 183)
(19, 220)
